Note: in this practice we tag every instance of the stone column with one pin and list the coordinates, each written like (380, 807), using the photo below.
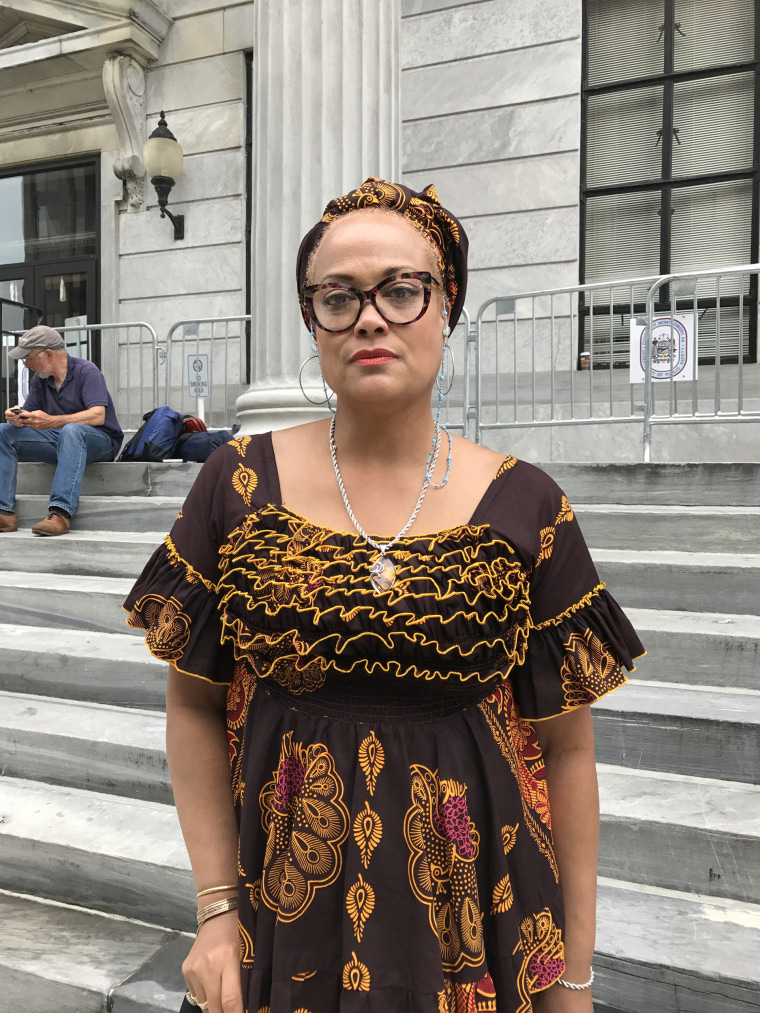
(325, 116)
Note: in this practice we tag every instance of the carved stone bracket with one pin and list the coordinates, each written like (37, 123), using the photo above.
(124, 84)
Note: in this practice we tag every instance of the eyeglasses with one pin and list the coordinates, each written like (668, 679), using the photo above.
(27, 357)
(400, 299)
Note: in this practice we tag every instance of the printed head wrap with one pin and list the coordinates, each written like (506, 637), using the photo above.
(423, 210)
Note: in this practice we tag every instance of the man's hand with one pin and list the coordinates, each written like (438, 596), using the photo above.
(14, 417)
(40, 420)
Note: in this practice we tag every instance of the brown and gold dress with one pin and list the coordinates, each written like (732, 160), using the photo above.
(395, 831)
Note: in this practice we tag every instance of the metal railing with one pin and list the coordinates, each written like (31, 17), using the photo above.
(722, 307)
(131, 360)
(547, 358)
(218, 349)
(561, 357)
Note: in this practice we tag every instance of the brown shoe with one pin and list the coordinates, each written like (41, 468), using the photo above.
(8, 522)
(54, 524)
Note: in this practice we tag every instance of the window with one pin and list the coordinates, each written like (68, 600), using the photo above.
(49, 245)
(669, 179)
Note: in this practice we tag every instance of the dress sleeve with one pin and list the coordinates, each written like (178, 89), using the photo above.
(580, 640)
(175, 599)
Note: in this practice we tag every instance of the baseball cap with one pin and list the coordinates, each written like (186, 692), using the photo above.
(36, 339)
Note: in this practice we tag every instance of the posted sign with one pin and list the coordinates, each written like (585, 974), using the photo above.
(674, 348)
(198, 382)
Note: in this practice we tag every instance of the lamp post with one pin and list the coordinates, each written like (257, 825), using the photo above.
(162, 157)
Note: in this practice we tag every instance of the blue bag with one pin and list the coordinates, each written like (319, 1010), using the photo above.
(198, 446)
(156, 437)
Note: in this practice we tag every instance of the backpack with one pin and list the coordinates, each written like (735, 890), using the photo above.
(156, 437)
(198, 446)
(190, 424)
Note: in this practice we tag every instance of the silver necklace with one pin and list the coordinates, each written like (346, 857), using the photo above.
(382, 574)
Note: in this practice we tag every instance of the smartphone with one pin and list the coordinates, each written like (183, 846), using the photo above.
(17, 411)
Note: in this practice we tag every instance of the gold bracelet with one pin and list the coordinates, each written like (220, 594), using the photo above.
(215, 889)
(220, 908)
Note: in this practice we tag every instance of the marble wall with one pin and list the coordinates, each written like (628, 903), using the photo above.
(199, 82)
(491, 114)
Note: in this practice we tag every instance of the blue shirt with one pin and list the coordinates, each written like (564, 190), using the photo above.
(83, 388)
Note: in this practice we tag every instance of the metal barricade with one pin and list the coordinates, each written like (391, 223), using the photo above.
(213, 353)
(131, 360)
(549, 358)
(716, 311)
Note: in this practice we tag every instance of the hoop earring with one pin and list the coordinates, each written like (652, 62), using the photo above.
(439, 381)
(328, 395)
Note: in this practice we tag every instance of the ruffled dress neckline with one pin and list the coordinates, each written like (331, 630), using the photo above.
(273, 475)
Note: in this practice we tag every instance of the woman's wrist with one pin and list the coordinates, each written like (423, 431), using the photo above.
(576, 985)
(216, 909)
(223, 888)
(208, 900)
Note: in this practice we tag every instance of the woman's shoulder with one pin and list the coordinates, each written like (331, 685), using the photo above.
(242, 470)
(515, 483)
(521, 505)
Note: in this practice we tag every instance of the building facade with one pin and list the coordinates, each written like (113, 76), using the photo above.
(576, 141)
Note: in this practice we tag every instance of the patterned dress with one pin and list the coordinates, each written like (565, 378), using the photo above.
(395, 831)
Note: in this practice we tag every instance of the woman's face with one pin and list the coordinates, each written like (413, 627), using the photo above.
(362, 250)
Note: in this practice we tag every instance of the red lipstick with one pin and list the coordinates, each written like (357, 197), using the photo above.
(372, 356)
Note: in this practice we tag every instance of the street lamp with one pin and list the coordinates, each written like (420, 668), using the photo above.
(162, 157)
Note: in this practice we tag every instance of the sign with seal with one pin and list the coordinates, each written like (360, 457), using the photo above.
(198, 381)
(674, 348)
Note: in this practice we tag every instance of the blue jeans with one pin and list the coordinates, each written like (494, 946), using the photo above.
(69, 448)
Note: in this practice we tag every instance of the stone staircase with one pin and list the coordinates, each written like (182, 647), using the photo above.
(96, 895)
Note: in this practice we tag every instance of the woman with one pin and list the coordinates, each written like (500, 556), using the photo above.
(399, 707)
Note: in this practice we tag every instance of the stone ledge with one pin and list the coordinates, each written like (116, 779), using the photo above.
(112, 668)
(119, 855)
(659, 950)
(116, 478)
(682, 730)
(57, 957)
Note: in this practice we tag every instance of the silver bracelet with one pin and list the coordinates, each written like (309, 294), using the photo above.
(570, 984)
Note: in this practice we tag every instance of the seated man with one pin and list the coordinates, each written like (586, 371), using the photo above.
(68, 420)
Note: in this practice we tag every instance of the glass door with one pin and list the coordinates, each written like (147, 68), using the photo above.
(65, 292)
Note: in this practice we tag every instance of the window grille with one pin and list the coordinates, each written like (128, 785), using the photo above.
(669, 170)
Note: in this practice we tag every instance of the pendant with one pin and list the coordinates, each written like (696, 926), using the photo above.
(382, 575)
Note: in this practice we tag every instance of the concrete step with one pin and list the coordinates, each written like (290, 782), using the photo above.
(658, 951)
(115, 478)
(100, 553)
(663, 951)
(699, 731)
(652, 484)
(659, 484)
(684, 581)
(120, 751)
(106, 513)
(112, 668)
(64, 601)
(663, 829)
(680, 528)
(698, 835)
(57, 958)
(698, 648)
(120, 855)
